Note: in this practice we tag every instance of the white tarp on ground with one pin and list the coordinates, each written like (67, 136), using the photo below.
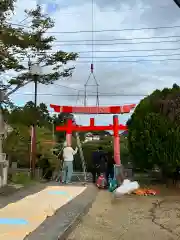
(126, 188)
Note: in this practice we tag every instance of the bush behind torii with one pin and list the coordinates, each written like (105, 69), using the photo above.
(154, 132)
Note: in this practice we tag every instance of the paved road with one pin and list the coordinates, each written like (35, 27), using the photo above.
(19, 218)
(131, 217)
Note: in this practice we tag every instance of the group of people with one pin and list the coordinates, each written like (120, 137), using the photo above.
(101, 163)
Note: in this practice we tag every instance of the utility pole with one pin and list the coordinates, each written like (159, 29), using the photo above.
(33, 153)
(53, 134)
(2, 131)
(35, 71)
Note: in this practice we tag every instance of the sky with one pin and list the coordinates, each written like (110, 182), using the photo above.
(121, 71)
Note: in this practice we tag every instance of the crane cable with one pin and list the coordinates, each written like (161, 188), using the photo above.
(92, 67)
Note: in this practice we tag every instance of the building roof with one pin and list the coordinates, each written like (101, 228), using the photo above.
(125, 133)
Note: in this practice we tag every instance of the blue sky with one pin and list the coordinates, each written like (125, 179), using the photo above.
(115, 78)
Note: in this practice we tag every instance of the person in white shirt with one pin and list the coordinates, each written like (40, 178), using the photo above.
(68, 157)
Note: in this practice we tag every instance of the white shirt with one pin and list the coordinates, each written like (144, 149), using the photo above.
(68, 153)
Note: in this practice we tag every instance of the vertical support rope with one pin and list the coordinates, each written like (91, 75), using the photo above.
(92, 66)
(85, 95)
(97, 97)
(92, 34)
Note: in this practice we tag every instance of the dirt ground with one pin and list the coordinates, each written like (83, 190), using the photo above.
(132, 217)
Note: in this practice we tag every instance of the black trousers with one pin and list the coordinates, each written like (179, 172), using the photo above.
(110, 172)
(47, 173)
(95, 173)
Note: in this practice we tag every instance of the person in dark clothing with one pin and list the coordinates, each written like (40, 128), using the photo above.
(103, 160)
(110, 165)
(98, 163)
(46, 169)
(95, 165)
(176, 175)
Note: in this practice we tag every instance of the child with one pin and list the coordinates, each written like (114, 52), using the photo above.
(101, 181)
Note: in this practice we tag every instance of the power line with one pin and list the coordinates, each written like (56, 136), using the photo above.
(118, 51)
(127, 61)
(107, 30)
(133, 61)
(118, 30)
(117, 39)
(55, 84)
(127, 56)
(135, 56)
(131, 56)
(114, 43)
(124, 56)
(82, 95)
(130, 61)
(78, 90)
(23, 20)
(130, 50)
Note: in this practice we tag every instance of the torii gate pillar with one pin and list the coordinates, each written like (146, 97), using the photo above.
(118, 168)
(69, 134)
(116, 140)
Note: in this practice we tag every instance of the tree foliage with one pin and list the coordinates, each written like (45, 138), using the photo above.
(18, 143)
(23, 46)
(154, 137)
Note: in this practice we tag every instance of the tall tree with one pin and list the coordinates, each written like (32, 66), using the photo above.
(31, 45)
(11, 41)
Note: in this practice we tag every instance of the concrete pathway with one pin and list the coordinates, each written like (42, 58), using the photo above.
(131, 217)
(19, 219)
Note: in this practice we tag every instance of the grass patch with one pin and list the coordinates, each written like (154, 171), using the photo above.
(22, 178)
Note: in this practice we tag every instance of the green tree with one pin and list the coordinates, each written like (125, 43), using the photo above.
(17, 144)
(26, 115)
(24, 46)
(11, 41)
(154, 137)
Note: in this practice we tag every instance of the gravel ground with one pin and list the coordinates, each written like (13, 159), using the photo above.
(131, 217)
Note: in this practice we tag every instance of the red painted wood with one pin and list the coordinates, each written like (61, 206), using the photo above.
(94, 110)
(116, 140)
(70, 129)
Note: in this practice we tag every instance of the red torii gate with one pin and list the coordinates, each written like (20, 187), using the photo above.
(116, 127)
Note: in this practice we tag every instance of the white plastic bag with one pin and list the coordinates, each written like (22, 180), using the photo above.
(126, 188)
(126, 181)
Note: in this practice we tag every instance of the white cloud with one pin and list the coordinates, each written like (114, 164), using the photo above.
(114, 77)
